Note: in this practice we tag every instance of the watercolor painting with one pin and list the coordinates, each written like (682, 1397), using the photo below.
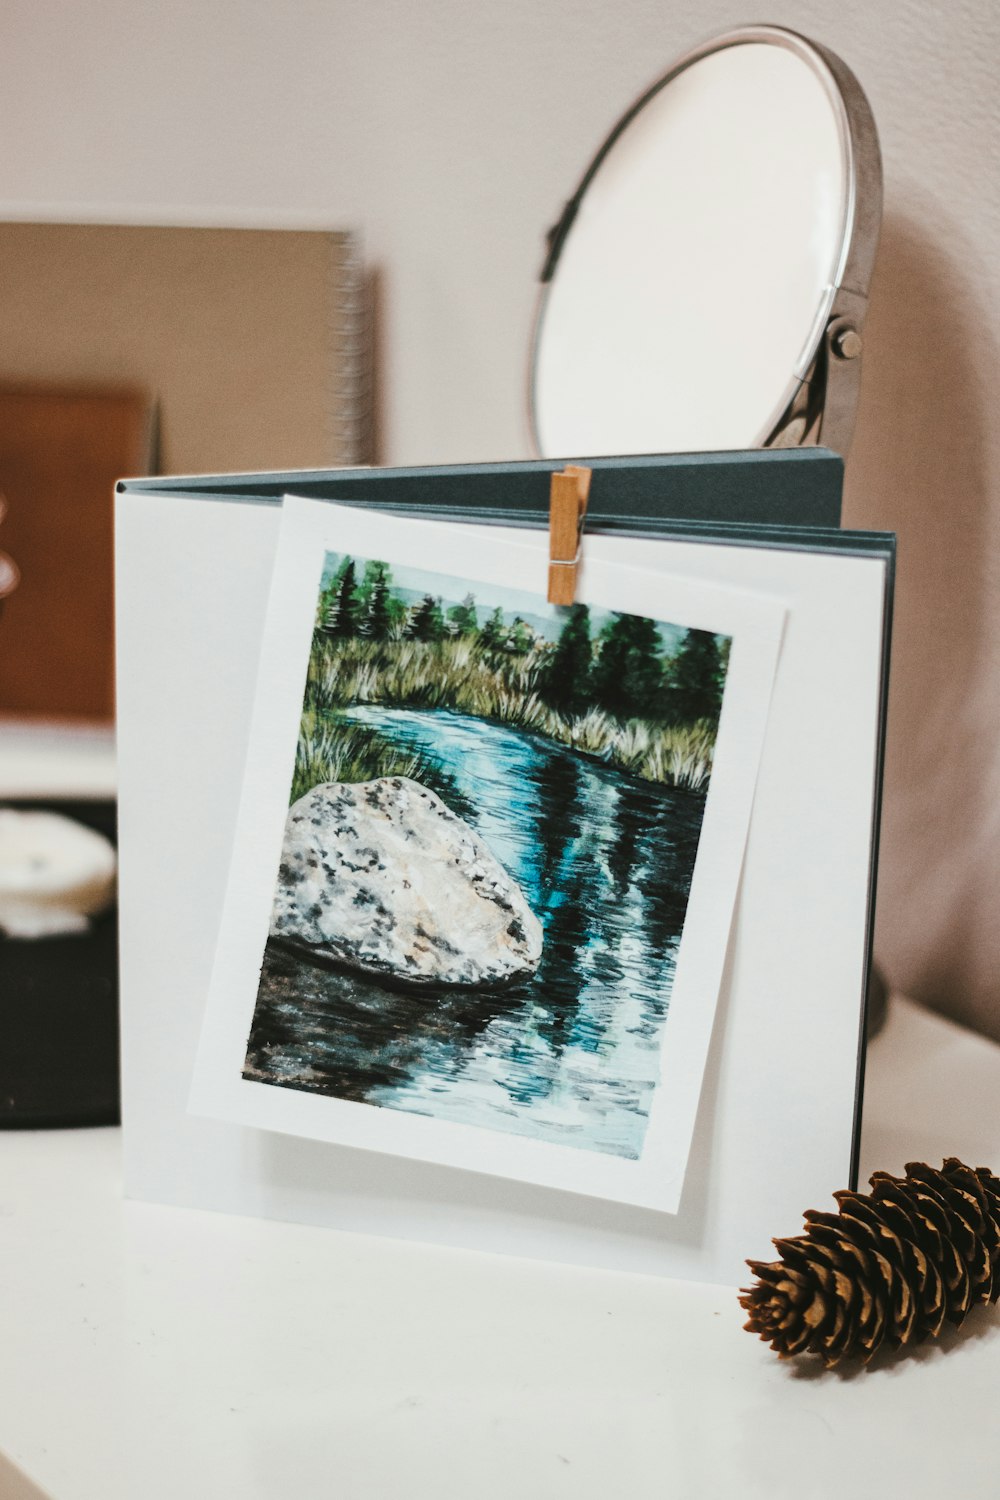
(488, 854)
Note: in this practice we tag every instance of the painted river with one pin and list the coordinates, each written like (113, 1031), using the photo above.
(605, 860)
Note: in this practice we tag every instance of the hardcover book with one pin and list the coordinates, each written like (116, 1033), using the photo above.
(451, 914)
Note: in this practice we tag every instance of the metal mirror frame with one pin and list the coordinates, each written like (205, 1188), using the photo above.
(819, 404)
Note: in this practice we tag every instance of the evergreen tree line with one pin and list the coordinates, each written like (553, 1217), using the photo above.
(367, 609)
(627, 673)
(624, 671)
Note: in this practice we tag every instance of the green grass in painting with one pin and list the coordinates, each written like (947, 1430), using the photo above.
(334, 749)
(453, 674)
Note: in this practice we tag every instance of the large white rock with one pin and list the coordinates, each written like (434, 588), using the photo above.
(382, 877)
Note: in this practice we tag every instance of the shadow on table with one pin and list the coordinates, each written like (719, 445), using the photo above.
(982, 1324)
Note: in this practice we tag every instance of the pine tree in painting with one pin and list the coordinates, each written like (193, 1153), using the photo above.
(567, 673)
(376, 625)
(328, 594)
(462, 618)
(695, 679)
(628, 673)
(645, 672)
(493, 635)
(344, 613)
(426, 622)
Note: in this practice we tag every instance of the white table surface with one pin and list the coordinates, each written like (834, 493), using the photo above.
(152, 1353)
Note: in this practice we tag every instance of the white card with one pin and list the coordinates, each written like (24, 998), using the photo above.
(569, 1056)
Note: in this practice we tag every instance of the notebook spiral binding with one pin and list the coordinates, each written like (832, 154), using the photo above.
(352, 394)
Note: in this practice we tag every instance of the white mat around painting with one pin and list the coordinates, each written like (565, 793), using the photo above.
(458, 1132)
(776, 1116)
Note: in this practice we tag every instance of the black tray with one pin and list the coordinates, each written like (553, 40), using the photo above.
(59, 1014)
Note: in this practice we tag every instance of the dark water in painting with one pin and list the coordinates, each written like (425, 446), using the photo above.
(605, 860)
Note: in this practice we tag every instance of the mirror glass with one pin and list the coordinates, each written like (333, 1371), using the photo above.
(694, 283)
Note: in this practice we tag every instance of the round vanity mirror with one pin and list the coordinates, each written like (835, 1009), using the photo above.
(705, 285)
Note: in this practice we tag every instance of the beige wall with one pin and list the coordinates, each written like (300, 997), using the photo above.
(450, 133)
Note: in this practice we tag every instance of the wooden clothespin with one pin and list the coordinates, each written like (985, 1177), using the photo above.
(567, 509)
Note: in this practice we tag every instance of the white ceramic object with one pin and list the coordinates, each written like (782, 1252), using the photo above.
(55, 874)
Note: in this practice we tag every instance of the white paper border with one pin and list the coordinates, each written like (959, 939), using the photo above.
(470, 553)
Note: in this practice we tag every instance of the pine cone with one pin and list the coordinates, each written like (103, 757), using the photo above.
(889, 1269)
